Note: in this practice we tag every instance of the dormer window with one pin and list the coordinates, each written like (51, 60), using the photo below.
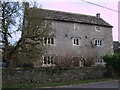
(97, 28)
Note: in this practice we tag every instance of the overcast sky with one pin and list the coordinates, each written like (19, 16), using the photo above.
(78, 6)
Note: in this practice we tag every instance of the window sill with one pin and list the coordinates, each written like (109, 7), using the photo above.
(76, 45)
(48, 65)
(49, 44)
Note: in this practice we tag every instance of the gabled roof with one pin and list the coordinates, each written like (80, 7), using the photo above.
(73, 17)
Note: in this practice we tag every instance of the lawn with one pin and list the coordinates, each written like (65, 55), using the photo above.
(38, 85)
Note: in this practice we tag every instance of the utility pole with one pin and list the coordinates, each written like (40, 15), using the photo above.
(0, 44)
(119, 21)
(0, 32)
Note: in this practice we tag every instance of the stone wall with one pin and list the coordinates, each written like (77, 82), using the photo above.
(48, 75)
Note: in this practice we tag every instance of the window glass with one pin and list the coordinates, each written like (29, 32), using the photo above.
(45, 40)
(48, 60)
(49, 40)
(52, 40)
(45, 60)
(77, 41)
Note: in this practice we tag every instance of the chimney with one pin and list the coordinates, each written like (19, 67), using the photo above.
(98, 15)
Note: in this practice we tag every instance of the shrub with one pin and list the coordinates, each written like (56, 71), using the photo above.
(28, 65)
(89, 56)
(113, 61)
(67, 61)
(69, 58)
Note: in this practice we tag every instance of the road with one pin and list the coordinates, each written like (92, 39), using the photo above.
(106, 84)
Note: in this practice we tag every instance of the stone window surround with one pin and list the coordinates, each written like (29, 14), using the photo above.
(48, 61)
(76, 41)
(98, 28)
(98, 42)
(49, 40)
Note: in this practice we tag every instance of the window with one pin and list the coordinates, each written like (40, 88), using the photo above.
(47, 23)
(100, 60)
(49, 41)
(48, 61)
(76, 41)
(76, 26)
(98, 42)
(98, 28)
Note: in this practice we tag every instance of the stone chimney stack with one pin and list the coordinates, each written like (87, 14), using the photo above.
(98, 15)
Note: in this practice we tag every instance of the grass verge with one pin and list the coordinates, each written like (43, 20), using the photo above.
(34, 85)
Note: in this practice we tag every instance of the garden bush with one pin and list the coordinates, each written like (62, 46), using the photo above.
(113, 61)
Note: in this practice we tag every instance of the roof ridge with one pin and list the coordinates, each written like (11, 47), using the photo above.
(76, 17)
(69, 12)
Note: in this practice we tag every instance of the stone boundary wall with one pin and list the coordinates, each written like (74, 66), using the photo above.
(48, 75)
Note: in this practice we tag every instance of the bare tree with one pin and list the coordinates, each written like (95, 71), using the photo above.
(89, 56)
(10, 10)
(31, 23)
(67, 59)
(35, 28)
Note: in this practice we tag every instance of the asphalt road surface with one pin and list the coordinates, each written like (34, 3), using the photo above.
(106, 84)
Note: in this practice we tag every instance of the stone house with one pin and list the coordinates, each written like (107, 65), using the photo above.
(74, 34)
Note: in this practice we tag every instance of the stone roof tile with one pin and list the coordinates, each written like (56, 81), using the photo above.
(73, 17)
